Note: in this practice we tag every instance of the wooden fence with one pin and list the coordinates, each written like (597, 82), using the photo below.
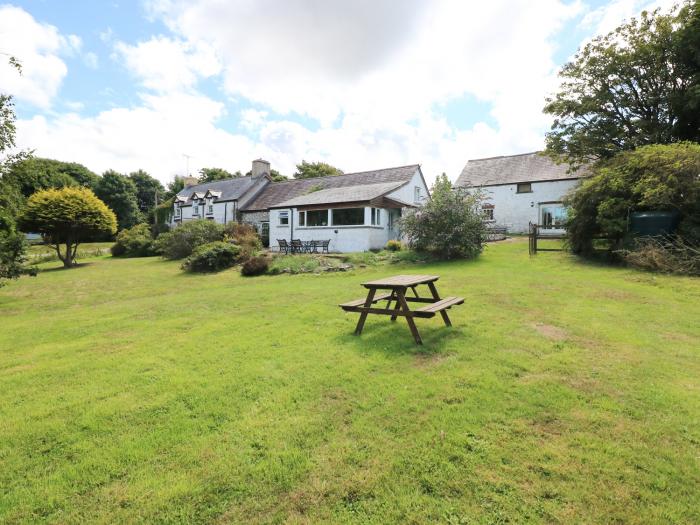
(534, 235)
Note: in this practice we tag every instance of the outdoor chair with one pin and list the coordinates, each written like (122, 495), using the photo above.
(324, 245)
(283, 246)
(297, 246)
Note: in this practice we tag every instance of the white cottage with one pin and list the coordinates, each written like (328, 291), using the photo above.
(354, 211)
(521, 189)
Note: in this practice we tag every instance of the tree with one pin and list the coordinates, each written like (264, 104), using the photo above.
(34, 173)
(660, 177)
(175, 186)
(448, 225)
(12, 243)
(119, 193)
(310, 170)
(212, 174)
(626, 89)
(687, 48)
(147, 188)
(67, 216)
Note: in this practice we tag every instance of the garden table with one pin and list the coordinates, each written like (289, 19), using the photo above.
(395, 289)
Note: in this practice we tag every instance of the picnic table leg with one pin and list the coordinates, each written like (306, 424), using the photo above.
(397, 305)
(436, 296)
(363, 315)
(401, 299)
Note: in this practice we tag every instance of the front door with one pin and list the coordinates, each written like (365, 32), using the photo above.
(265, 234)
(393, 223)
(552, 217)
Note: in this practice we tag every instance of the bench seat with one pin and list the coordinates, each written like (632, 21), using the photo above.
(439, 306)
(361, 302)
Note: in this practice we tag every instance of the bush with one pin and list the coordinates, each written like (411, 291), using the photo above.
(393, 246)
(650, 178)
(134, 242)
(212, 257)
(180, 242)
(245, 236)
(664, 254)
(255, 266)
(449, 225)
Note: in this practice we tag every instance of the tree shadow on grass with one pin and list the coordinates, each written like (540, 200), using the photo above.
(63, 268)
(394, 339)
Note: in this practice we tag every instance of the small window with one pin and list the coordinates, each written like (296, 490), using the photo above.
(524, 187)
(416, 194)
(195, 209)
(284, 218)
(349, 217)
(210, 209)
(376, 217)
(487, 213)
(317, 218)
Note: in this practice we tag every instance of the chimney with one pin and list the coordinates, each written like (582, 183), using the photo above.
(260, 167)
(190, 181)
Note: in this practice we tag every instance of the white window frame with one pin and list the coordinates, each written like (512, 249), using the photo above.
(417, 194)
(283, 214)
(375, 216)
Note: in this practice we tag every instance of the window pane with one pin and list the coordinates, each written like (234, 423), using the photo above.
(317, 218)
(524, 187)
(349, 217)
(284, 218)
(302, 217)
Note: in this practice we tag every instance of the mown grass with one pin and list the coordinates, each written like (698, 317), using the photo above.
(565, 392)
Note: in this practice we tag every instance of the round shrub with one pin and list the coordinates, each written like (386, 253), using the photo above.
(134, 242)
(393, 246)
(212, 257)
(180, 242)
(254, 266)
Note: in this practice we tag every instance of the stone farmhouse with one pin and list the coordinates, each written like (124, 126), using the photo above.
(521, 189)
(355, 211)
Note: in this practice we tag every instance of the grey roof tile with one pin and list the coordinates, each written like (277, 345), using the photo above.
(230, 189)
(279, 192)
(526, 167)
(364, 192)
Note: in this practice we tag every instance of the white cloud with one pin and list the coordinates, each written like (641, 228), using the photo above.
(373, 73)
(90, 59)
(38, 47)
(165, 64)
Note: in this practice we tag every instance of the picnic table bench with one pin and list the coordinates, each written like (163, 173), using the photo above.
(396, 288)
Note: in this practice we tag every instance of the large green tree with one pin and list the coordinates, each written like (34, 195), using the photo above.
(36, 173)
(12, 242)
(627, 89)
(65, 217)
(119, 193)
(659, 177)
(310, 170)
(148, 190)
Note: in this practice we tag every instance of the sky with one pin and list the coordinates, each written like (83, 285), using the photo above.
(170, 86)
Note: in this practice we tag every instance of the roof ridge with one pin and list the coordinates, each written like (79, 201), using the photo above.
(506, 156)
(218, 180)
(346, 174)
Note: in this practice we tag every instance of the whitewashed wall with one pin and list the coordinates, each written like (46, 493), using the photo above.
(343, 238)
(516, 210)
(406, 193)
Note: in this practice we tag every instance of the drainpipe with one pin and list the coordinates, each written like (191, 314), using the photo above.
(291, 223)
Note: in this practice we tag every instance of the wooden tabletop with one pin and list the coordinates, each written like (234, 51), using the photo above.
(401, 281)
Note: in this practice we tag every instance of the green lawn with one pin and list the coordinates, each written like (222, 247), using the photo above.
(565, 392)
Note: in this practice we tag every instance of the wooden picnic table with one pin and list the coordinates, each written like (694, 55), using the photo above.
(396, 288)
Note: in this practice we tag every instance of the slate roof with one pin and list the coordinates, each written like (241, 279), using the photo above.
(229, 189)
(526, 167)
(365, 192)
(276, 193)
